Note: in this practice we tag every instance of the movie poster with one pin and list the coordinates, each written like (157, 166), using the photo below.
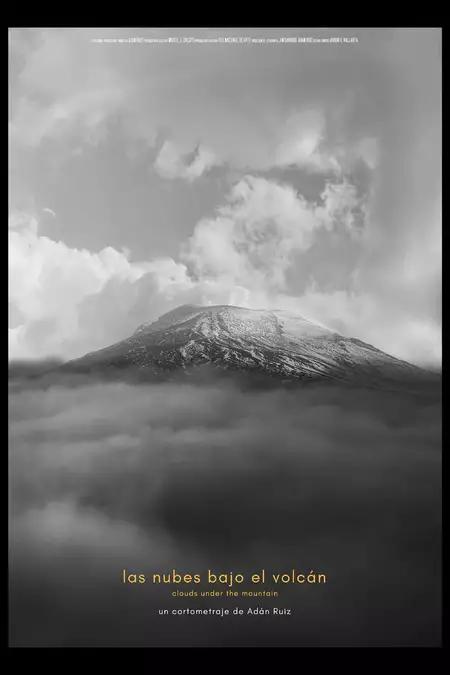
(224, 337)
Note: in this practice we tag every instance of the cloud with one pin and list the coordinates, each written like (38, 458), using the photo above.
(70, 301)
(49, 280)
(367, 149)
(60, 91)
(340, 202)
(69, 87)
(302, 144)
(173, 163)
(370, 318)
(107, 477)
(254, 238)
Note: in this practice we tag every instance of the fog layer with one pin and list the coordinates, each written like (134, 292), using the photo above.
(107, 476)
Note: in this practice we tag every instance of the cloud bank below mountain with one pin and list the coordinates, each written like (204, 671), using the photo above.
(151, 478)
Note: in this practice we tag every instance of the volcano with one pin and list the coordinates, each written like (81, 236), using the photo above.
(191, 342)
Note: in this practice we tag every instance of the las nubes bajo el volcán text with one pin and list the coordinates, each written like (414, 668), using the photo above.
(227, 579)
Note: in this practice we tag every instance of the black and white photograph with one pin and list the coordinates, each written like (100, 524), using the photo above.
(225, 349)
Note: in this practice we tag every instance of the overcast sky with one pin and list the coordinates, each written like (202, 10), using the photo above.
(144, 175)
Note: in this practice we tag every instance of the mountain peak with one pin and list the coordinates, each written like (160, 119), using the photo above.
(235, 319)
(274, 343)
(171, 317)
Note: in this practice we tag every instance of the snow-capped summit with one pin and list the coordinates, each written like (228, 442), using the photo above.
(191, 338)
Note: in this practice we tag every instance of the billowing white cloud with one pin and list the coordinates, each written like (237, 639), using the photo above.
(253, 239)
(48, 281)
(71, 301)
(340, 202)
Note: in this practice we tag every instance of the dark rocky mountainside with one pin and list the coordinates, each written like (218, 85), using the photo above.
(192, 340)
